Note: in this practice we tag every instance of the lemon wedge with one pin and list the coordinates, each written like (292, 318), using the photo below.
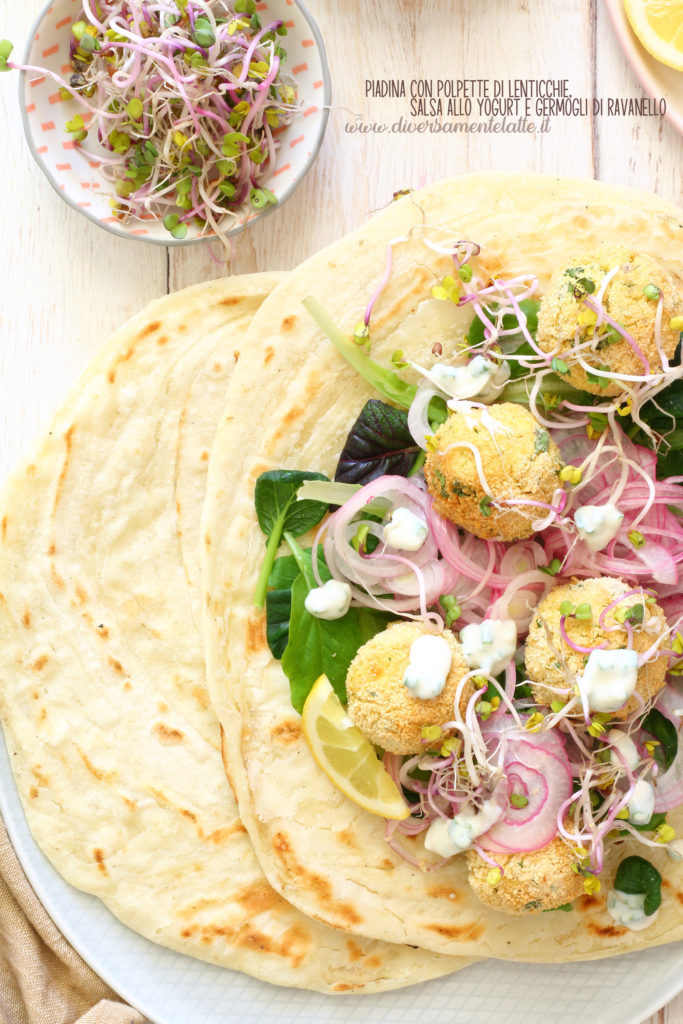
(345, 755)
(659, 27)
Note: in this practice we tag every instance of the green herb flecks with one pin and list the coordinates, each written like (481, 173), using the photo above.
(541, 440)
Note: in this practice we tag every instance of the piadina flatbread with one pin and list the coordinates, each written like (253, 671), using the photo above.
(115, 748)
(326, 853)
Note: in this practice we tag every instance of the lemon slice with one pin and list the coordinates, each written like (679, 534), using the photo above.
(659, 27)
(345, 755)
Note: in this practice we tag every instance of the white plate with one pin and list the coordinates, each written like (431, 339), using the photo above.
(656, 78)
(170, 988)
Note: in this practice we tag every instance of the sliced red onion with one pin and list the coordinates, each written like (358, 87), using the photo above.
(418, 418)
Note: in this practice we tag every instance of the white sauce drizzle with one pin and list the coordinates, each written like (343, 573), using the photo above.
(597, 525)
(625, 746)
(480, 377)
(331, 601)
(489, 645)
(642, 804)
(405, 531)
(628, 909)
(609, 679)
(430, 663)
(447, 837)
(675, 849)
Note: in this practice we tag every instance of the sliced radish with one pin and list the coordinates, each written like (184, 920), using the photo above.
(529, 783)
(549, 782)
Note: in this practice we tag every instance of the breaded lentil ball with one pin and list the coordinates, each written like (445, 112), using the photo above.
(381, 705)
(519, 459)
(565, 320)
(545, 667)
(531, 882)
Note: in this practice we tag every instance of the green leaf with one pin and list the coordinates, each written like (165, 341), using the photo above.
(387, 382)
(5, 50)
(279, 598)
(231, 143)
(278, 510)
(637, 876)
(183, 187)
(134, 109)
(530, 307)
(655, 821)
(659, 726)
(276, 505)
(379, 442)
(318, 646)
(203, 32)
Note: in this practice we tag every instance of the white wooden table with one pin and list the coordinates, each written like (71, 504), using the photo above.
(66, 284)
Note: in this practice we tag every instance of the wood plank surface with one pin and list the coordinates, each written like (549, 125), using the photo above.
(66, 283)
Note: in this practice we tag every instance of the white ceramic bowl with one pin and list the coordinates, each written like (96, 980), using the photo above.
(74, 172)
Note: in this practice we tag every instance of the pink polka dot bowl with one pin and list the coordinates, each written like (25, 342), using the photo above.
(75, 169)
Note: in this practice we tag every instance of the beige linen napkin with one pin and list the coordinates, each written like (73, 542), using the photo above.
(42, 979)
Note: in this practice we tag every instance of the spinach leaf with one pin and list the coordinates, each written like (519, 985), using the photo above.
(379, 442)
(279, 598)
(274, 498)
(655, 821)
(530, 307)
(278, 511)
(659, 726)
(669, 464)
(671, 399)
(636, 875)
(318, 646)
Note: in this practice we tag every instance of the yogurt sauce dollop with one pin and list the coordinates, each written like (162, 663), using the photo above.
(430, 663)
(489, 645)
(331, 601)
(448, 836)
(405, 530)
(597, 525)
(609, 679)
(628, 909)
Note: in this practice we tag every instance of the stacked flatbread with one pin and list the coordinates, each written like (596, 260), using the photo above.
(525, 225)
(118, 744)
(115, 748)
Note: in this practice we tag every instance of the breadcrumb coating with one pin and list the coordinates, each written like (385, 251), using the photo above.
(564, 320)
(382, 706)
(520, 462)
(557, 667)
(531, 882)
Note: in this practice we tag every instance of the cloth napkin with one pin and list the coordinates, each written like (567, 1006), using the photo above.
(42, 979)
